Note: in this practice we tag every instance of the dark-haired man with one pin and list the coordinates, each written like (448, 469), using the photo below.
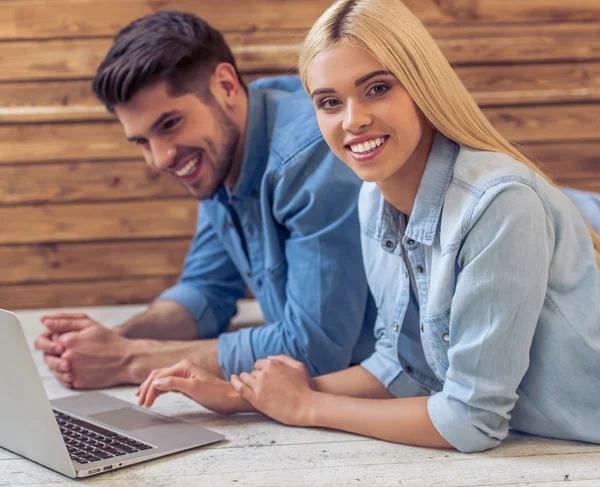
(277, 214)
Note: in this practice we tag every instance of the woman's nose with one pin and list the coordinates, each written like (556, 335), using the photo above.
(356, 117)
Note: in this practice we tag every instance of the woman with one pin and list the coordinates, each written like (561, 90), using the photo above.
(484, 274)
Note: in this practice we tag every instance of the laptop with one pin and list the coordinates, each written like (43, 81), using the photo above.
(81, 435)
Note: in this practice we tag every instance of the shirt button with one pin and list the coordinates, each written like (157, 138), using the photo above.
(388, 244)
(422, 328)
(410, 241)
(446, 337)
(420, 269)
(249, 273)
(408, 369)
(396, 327)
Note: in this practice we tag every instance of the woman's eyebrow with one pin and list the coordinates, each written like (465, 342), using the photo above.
(367, 77)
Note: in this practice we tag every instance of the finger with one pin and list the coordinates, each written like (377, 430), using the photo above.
(71, 316)
(62, 325)
(261, 364)
(168, 384)
(45, 343)
(242, 389)
(286, 360)
(64, 379)
(57, 364)
(248, 379)
(145, 386)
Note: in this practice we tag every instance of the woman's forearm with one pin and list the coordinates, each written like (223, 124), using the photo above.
(403, 420)
(353, 382)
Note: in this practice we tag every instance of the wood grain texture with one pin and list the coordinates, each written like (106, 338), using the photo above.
(67, 59)
(92, 261)
(85, 182)
(124, 290)
(490, 85)
(37, 19)
(106, 141)
(98, 222)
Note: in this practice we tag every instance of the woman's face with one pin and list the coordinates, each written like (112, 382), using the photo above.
(366, 116)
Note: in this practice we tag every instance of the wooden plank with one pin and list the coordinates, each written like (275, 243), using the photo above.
(98, 222)
(86, 182)
(79, 58)
(86, 293)
(51, 101)
(105, 140)
(36, 19)
(92, 261)
(490, 85)
(276, 51)
(547, 123)
(574, 165)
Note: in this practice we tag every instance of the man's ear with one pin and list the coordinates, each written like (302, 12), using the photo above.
(226, 85)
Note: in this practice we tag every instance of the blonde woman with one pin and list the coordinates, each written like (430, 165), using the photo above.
(484, 274)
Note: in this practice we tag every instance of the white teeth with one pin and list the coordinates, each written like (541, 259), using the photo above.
(368, 146)
(188, 168)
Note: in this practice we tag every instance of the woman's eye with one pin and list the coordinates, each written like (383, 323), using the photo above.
(379, 89)
(329, 103)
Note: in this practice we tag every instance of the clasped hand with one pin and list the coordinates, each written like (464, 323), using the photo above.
(81, 353)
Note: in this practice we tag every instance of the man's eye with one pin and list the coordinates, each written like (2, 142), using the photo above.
(141, 142)
(169, 124)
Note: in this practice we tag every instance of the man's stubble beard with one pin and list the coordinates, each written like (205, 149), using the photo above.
(223, 160)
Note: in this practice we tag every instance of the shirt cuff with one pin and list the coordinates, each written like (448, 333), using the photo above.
(236, 353)
(455, 429)
(197, 305)
(384, 369)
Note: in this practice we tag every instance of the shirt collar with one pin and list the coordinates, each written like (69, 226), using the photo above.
(425, 216)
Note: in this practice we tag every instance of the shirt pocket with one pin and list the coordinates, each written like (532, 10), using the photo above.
(436, 336)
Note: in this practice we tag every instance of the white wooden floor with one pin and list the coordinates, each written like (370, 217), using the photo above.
(259, 452)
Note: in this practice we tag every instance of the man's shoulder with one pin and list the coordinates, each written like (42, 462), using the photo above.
(293, 128)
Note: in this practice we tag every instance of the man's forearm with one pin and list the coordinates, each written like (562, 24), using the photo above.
(147, 355)
(164, 320)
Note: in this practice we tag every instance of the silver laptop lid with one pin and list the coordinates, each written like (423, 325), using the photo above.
(27, 424)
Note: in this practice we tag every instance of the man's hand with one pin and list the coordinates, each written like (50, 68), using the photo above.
(279, 387)
(197, 384)
(83, 354)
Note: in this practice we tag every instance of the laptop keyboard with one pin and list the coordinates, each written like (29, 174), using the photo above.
(87, 442)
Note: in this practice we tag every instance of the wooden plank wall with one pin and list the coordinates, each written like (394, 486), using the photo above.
(85, 223)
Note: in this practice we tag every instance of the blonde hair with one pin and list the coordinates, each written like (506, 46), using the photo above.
(390, 32)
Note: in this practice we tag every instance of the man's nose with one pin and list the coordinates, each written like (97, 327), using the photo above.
(163, 154)
(356, 117)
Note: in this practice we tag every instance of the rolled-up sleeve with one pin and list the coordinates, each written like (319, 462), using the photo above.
(210, 284)
(499, 295)
(314, 199)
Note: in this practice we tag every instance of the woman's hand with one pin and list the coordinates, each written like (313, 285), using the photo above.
(279, 387)
(196, 383)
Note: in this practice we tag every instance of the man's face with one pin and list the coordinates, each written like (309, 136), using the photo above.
(192, 139)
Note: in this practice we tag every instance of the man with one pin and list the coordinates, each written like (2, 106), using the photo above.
(277, 214)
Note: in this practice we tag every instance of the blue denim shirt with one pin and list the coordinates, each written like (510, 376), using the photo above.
(508, 330)
(289, 232)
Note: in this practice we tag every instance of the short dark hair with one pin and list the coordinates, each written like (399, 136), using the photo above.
(177, 47)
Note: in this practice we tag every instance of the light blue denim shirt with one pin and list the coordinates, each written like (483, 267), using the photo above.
(288, 231)
(508, 300)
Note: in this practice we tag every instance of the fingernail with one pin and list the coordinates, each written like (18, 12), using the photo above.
(58, 350)
(158, 383)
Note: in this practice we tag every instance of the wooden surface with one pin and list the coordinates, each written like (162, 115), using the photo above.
(73, 191)
(261, 453)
